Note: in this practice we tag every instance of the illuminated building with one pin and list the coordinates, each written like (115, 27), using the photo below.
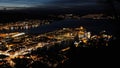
(76, 44)
(89, 35)
(7, 39)
(17, 35)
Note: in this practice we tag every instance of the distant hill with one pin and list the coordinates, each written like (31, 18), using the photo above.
(37, 12)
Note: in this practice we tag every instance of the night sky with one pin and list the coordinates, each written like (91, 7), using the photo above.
(86, 4)
(34, 3)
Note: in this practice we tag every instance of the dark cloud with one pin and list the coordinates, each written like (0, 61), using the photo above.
(69, 3)
(73, 1)
(23, 2)
(46, 2)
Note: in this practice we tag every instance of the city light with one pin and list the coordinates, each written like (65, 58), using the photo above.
(17, 44)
